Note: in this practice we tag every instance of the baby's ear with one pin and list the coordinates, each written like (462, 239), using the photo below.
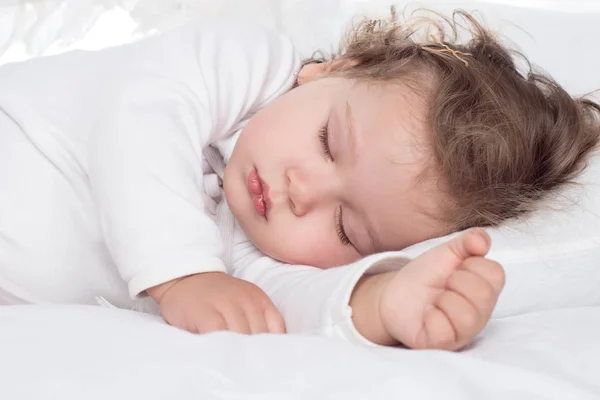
(315, 70)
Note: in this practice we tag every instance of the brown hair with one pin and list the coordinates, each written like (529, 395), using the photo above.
(500, 139)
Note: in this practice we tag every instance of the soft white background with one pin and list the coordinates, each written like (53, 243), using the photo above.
(38, 27)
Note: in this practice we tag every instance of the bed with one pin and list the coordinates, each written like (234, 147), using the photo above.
(543, 342)
(82, 352)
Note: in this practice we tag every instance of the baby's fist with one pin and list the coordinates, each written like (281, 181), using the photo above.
(214, 301)
(439, 300)
(452, 290)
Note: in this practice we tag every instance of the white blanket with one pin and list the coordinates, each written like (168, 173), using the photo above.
(80, 352)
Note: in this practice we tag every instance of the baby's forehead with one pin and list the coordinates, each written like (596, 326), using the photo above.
(397, 101)
(394, 114)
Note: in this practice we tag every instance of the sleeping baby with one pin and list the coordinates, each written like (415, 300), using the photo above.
(243, 189)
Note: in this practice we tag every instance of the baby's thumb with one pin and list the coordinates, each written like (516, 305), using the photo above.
(471, 243)
(446, 257)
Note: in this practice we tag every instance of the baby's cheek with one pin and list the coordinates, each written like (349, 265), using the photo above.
(289, 247)
(299, 243)
(325, 250)
(339, 257)
(325, 254)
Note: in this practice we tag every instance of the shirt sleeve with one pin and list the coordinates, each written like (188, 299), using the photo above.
(312, 300)
(176, 94)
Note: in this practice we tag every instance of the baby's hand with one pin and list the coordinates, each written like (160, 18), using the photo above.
(440, 300)
(214, 301)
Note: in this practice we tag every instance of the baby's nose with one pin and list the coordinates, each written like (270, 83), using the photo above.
(306, 190)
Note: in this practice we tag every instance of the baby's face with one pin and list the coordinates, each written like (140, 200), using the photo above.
(326, 174)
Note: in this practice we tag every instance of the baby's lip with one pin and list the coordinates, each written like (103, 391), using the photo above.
(259, 192)
(254, 183)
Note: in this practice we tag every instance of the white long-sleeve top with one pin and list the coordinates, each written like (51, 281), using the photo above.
(126, 128)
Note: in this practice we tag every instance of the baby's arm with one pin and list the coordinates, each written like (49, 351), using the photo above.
(175, 95)
(146, 177)
(441, 299)
(147, 180)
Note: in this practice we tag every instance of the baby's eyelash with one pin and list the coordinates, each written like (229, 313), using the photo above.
(324, 139)
(339, 227)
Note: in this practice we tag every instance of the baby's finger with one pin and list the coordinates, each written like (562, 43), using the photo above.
(257, 320)
(462, 315)
(236, 319)
(275, 322)
(476, 290)
(489, 270)
(437, 333)
(209, 321)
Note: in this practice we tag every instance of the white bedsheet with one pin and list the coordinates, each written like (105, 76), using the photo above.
(79, 352)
